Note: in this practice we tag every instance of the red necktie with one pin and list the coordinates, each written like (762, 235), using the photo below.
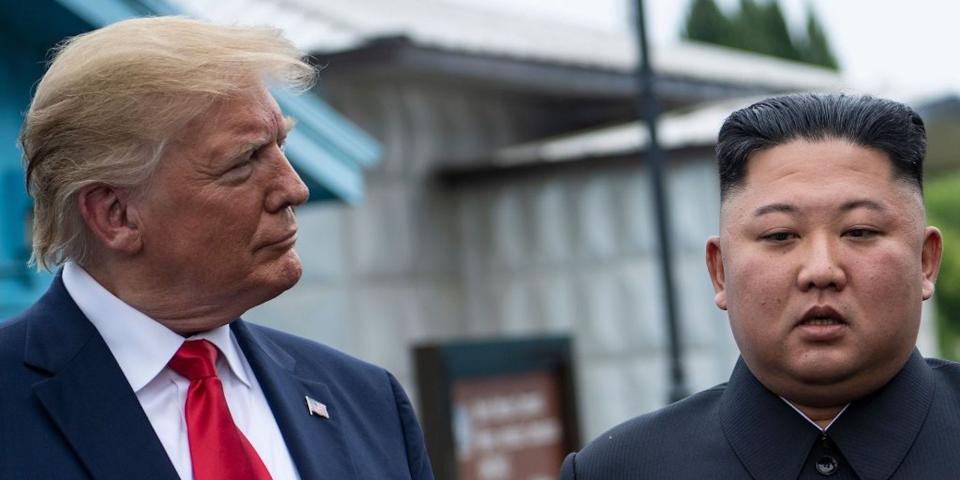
(218, 449)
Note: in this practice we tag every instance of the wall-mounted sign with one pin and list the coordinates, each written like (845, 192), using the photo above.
(498, 410)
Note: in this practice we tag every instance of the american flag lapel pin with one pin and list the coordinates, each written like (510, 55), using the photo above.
(317, 408)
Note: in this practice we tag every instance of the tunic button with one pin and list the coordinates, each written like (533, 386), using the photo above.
(827, 465)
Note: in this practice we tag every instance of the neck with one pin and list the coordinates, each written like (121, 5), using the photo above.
(183, 312)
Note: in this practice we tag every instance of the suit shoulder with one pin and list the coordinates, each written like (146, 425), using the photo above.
(945, 371)
(687, 412)
(375, 409)
(662, 434)
(13, 333)
(13, 324)
(315, 353)
(943, 366)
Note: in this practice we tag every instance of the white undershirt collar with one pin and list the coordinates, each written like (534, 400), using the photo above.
(804, 415)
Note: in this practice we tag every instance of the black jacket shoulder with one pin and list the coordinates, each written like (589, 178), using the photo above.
(691, 424)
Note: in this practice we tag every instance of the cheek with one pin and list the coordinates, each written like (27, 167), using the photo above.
(209, 236)
(882, 285)
(894, 266)
(757, 284)
(223, 224)
(756, 297)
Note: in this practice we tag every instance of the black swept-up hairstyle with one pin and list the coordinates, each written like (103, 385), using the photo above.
(884, 125)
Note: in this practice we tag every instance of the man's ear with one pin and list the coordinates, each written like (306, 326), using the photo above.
(714, 259)
(930, 259)
(110, 218)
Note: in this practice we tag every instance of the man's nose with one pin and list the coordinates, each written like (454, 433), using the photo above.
(289, 189)
(821, 266)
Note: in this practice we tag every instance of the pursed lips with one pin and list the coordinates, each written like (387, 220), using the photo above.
(287, 239)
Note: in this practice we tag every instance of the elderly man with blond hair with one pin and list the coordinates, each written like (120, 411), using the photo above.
(154, 155)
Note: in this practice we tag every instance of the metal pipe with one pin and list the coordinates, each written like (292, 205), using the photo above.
(656, 159)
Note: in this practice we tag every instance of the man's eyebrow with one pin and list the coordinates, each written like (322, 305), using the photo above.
(241, 149)
(288, 124)
(862, 203)
(774, 208)
(845, 207)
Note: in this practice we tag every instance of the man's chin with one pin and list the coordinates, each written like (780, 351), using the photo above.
(282, 275)
(829, 375)
(812, 384)
(823, 367)
(290, 271)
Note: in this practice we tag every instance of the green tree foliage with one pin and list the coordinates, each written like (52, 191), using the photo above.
(775, 26)
(942, 198)
(707, 22)
(817, 49)
(759, 26)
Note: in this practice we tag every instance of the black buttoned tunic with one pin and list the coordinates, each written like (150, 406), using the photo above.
(909, 429)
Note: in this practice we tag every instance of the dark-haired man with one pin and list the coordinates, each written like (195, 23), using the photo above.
(822, 263)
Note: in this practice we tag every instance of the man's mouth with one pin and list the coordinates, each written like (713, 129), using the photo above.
(821, 321)
(286, 241)
(822, 315)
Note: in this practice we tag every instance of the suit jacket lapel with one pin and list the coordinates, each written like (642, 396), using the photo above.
(87, 395)
(316, 444)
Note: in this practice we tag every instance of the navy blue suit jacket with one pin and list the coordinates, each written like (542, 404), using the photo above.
(67, 411)
(909, 429)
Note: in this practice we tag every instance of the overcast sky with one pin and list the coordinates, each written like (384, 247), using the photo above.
(884, 46)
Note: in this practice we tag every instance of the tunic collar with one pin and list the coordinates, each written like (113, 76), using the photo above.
(874, 434)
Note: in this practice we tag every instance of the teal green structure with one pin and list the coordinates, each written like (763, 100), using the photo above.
(327, 150)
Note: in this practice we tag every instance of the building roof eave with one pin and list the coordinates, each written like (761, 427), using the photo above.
(398, 55)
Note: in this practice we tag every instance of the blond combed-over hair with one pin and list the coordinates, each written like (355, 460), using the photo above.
(114, 98)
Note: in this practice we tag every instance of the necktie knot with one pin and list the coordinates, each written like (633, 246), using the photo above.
(195, 360)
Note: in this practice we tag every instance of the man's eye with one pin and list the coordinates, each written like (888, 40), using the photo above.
(243, 164)
(241, 169)
(779, 236)
(861, 233)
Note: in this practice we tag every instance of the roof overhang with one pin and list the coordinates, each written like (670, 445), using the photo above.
(684, 134)
(398, 57)
(478, 174)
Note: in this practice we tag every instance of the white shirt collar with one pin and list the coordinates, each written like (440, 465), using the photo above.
(815, 424)
(140, 345)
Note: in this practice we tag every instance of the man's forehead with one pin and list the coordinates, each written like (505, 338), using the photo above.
(829, 175)
(236, 124)
(249, 113)
(816, 163)
(761, 201)
(254, 124)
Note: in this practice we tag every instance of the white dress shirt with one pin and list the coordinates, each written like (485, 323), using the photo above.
(143, 347)
(815, 424)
